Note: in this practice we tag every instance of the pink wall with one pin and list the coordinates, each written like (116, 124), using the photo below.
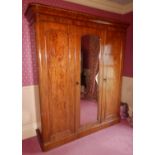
(128, 56)
(29, 68)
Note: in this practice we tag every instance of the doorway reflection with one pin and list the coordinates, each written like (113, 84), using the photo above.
(90, 48)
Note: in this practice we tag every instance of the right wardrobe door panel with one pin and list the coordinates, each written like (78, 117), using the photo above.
(112, 59)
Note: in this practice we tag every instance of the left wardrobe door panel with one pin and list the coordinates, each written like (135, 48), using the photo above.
(57, 82)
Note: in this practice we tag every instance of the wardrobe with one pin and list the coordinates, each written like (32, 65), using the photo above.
(79, 59)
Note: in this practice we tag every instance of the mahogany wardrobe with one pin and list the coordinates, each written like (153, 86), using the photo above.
(79, 59)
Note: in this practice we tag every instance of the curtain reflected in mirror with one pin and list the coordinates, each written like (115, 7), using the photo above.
(90, 48)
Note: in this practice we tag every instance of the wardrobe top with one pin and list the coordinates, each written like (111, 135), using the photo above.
(36, 9)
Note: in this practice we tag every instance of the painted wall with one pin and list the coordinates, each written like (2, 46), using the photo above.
(29, 68)
(128, 57)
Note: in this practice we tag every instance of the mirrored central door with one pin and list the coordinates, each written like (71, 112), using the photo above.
(89, 76)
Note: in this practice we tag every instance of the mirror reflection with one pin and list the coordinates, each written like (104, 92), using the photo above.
(90, 48)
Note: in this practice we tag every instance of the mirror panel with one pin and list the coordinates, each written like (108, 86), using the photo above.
(90, 47)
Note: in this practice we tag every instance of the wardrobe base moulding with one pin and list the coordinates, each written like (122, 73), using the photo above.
(49, 145)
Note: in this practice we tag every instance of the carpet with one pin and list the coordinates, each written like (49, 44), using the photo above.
(115, 140)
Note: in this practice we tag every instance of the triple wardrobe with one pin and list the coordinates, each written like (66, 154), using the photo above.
(79, 59)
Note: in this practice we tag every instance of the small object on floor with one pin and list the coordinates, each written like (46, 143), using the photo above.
(124, 111)
(130, 120)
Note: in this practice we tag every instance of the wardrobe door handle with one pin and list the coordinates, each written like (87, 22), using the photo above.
(104, 79)
(77, 83)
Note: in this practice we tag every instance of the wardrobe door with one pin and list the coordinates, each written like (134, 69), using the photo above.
(88, 42)
(112, 59)
(57, 82)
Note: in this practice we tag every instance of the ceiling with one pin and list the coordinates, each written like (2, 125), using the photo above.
(116, 6)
